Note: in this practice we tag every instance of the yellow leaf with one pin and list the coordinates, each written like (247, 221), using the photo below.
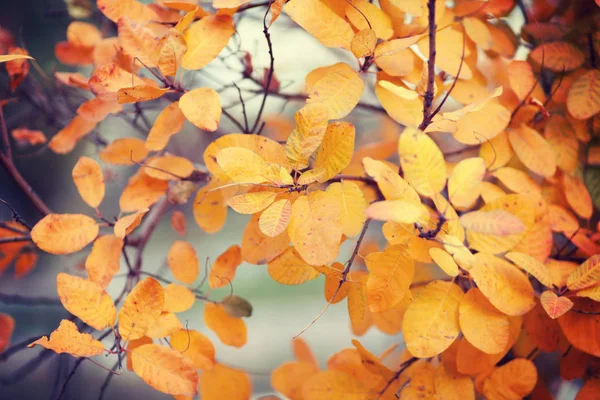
(205, 39)
(202, 107)
(127, 224)
(275, 219)
(251, 203)
(169, 122)
(321, 22)
(454, 246)
(444, 261)
(242, 165)
(104, 260)
(518, 181)
(558, 56)
(183, 262)
(196, 346)
(64, 233)
(533, 150)
(390, 183)
(339, 90)
(520, 207)
(586, 275)
(115, 9)
(495, 222)
(311, 124)
(451, 385)
(507, 288)
(141, 308)
(399, 211)
(390, 275)
(352, 205)
(394, 56)
(124, 151)
(67, 339)
(496, 152)
(315, 228)
(139, 93)
(231, 331)
(89, 181)
(289, 269)
(165, 369)
(531, 266)
(363, 43)
(561, 137)
(333, 385)
(406, 109)
(266, 148)
(359, 12)
(514, 380)
(258, 248)
(86, 300)
(422, 162)
(521, 78)
(431, 320)
(335, 152)
(464, 183)
(482, 324)
(178, 298)
(222, 382)
(169, 167)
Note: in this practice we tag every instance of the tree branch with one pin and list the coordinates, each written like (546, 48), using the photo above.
(428, 101)
(15, 299)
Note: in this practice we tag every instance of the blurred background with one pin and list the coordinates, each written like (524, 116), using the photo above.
(280, 312)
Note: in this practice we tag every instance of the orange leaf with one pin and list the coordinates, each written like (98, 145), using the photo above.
(127, 224)
(231, 331)
(25, 263)
(64, 233)
(165, 369)
(178, 298)
(66, 139)
(86, 300)
(89, 181)
(258, 248)
(103, 262)
(183, 262)
(139, 93)
(290, 269)
(555, 306)
(178, 223)
(7, 326)
(141, 192)
(31, 137)
(141, 308)
(196, 346)
(222, 382)
(169, 122)
(224, 267)
(202, 107)
(124, 151)
(558, 56)
(67, 339)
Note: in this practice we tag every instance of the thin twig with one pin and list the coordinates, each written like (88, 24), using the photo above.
(403, 366)
(343, 278)
(246, 127)
(271, 71)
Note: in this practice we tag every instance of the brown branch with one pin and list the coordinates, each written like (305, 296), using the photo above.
(429, 93)
(15, 239)
(7, 162)
(15, 299)
(403, 367)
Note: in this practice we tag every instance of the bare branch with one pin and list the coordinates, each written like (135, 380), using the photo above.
(428, 101)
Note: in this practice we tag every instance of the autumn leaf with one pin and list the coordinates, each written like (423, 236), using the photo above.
(67, 339)
(141, 309)
(64, 233)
